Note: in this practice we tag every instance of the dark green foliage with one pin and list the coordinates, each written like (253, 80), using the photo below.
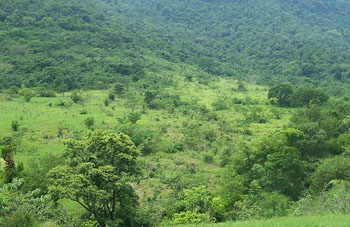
(35, 173)
(285, 95)
(280, 94)
(43, 92)
(335, 168)
(134, 47)
(118, 89)
(15, 126)
(106, 102)
(18, 219)
(89, 122)
(149, 97)
(111, 96)
(208, 158)
(307, 96)
(76, 98)
(134, 117)
(71, 45)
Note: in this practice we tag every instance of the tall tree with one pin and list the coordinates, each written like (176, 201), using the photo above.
(96, 176)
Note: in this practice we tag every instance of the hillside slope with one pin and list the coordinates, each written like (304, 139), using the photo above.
(75, 44)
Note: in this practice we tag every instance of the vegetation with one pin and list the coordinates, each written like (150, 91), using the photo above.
(158, 113)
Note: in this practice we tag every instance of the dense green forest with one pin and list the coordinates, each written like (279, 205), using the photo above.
(161, 113)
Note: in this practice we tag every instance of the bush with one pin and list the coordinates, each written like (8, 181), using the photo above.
(191, 217)
(106, 102)
(46, 93)
(335, 168)
(208, 158)
(262, 205)
(27, 94)
(134, 117)
(308, 96)
(18, 219)
(15, 126)
(195, 207)
(111, 96)
(118, 89)
(76, 98)
(89, 122)
(335, 199)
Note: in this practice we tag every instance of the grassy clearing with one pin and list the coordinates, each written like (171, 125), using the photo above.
(40, 119)
(308, 221)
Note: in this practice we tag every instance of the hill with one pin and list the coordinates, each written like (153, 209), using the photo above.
(144, 113)
(89, 44)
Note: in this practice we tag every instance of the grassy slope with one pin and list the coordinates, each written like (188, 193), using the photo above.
(39, 122)
(312, 221)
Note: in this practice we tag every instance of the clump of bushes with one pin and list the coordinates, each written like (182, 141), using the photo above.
(89, 122)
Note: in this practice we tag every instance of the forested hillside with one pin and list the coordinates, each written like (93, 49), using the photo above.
(160, 112)
(70, 44)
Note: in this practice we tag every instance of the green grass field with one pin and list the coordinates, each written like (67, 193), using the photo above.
(40, 119)
(312, 221)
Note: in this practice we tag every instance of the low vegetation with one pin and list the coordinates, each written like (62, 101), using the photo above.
(174, 113)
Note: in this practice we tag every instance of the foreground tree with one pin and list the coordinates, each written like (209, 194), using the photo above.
(99, 168)
(7, 150)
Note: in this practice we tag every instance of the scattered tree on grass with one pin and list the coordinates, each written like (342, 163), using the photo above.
(7, 151)
(27, 94)
(97, 175)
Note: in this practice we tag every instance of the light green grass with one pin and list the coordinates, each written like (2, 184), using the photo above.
(40, 118)
(310, 221)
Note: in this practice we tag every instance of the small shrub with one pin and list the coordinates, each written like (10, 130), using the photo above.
(60, 132)
(18, 219)
(241, 87)
(27, 94)
(208, 158)
(83, 112)
(89, 122)
(46, 93)
(119, 89)
(15, 126)
(111, 96)
(247, 131)
(134, 117)
(106, 102)
(76, 98)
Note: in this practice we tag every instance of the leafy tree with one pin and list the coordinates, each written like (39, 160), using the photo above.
(334, 168)
(7, 148)
(281, 94)
(76, 98)
(196, 206)
(28, 94)
(96, 176)
(20, 208)
(306, 96)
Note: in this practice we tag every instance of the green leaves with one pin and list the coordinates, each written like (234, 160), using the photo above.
(97, 174)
